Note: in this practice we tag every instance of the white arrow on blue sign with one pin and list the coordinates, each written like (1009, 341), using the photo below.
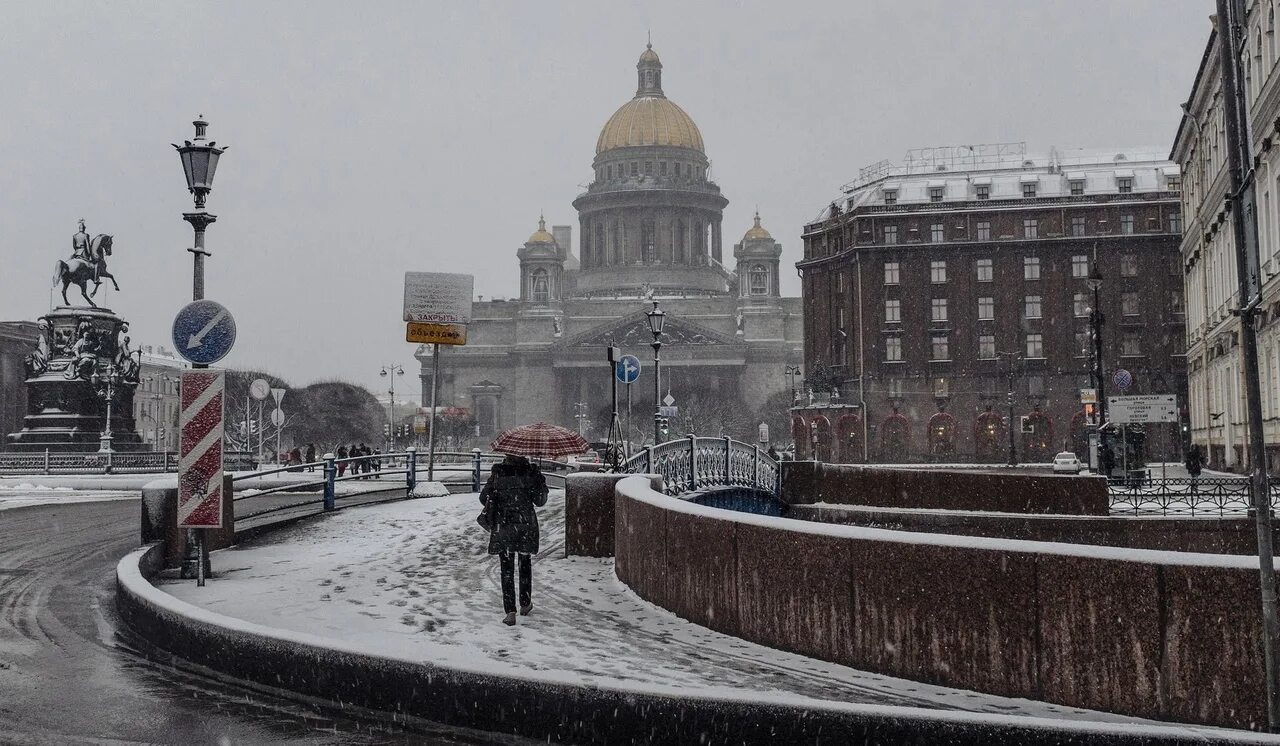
(627, 369)
(204, 331)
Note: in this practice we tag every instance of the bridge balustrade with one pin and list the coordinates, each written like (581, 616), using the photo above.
(693, 463)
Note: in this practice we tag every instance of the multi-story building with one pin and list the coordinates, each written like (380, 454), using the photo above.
(1218, 417)
(934, 288)
(17, 340)
(156, 402)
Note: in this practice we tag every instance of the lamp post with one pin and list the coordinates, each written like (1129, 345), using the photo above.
(392, 370)
(580, 414)
(104, 385)
(1013, 452)
(656, 320)
(1096, 320)
(792, 372)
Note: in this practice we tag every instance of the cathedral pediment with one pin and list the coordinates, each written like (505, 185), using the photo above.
(633, 331)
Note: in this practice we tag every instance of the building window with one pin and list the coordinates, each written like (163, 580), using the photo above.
(1175, 222)
(1077, 187)
(609, 171)
(1029, 189)
(935, 194)
(648, 168)
(1125, 186)
(662, 168)
(1035, 345)
(1077, 226)
(986, 347)
(892, 348)
(1080, 266)
(983, 191)
(635, 168)
(986, 308)
(891, 196)
(1128, 265)
(891, 234)
(1131, 344)
(1030, 228)
(895, 388)
(940, 388)
(940, 351)
(938, 310)
(1031, 307)
(1175, 303)
(937, 233)
(1126, 224)
(539, 286)
(937, 271)
(984, 231)
(1129, 304)
(1080, 305)
(893, 311)
(891, 273)
(1031, 268)
(760, 280)
(1173, 183)
(984, 270)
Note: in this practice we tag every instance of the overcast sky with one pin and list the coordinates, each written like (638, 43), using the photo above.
(368, 139)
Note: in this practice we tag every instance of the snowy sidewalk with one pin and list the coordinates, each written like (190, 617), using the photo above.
(412, 581)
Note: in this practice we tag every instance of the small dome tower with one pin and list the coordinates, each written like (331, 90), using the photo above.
(757, 263)
(541, 267)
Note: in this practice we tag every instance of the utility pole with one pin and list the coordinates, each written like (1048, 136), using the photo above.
(1245, 232)
(1013, 451)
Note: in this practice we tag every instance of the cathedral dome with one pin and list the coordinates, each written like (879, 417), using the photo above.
(650, 118)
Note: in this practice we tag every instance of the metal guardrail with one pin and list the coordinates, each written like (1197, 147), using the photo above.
(692, 463)
(123, 462)
(1208, 496)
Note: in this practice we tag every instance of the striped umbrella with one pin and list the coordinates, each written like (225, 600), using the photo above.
(540, 440)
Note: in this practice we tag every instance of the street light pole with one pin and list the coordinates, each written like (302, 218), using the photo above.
(1013, 453)
(656, 321)
(1096, 321)
(392, 370)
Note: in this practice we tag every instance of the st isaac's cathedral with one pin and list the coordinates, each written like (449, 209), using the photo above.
(650, 229)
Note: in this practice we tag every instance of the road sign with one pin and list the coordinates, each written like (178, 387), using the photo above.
(435, 334)
(200, 449)
(438, 297)
(203, 332)
(668, 400)
(260, 389)
(278, 394)
(1132, 410)
(1088, 396)
(627, 369)
(277, 417)
(668, 411)
(1122, 378)
(419, 423)
(763, 432)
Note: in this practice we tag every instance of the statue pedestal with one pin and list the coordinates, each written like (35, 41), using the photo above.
(65, 413)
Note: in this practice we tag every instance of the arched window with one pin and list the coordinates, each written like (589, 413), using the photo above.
(759, 280)
(539, 286)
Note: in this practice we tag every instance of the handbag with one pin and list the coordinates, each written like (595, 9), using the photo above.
(485, 519)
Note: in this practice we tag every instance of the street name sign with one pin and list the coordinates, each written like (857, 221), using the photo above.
(419, 423)
(1134, 410)
(435, 334)
(627, 369)
(203, 332)
(438, 297)
(200, 449)
(668, 411)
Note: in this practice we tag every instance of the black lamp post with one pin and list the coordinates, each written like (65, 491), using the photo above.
(199, 163)
(393, 371)
(792, 372)
(1013, 452)
(104, 384)
(1096, 320)
(656, 320)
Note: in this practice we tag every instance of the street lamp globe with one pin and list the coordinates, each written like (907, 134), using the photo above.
(199, 162)
(656, 320)
(1094, 281)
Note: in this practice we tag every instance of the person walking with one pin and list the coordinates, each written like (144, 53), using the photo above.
(515, 487)
(377, 461)
(311, 456)
(342, 465)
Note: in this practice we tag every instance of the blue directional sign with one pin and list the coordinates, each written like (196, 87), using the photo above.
(203, 332)
(627, 369)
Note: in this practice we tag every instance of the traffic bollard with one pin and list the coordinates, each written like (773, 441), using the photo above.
(330, 473)
(411, 475)
(475, 469)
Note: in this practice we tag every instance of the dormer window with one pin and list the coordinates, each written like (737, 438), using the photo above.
(1077, 187)
(1124, 186)
(935, 193)
(891, 196)
(983, 191)
(1029, 189)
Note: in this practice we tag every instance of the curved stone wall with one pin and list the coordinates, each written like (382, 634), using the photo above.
(1162, 635)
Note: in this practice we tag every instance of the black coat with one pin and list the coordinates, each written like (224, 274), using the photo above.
(514, 489)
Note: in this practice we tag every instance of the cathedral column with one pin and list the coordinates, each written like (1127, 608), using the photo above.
(715, 242)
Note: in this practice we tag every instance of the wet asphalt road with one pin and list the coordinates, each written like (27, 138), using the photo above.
(70, 674)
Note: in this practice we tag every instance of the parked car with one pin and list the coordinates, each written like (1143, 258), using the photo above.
(1067, 463)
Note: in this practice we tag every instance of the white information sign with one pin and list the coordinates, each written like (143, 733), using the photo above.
(438, 297)
(1134, 410)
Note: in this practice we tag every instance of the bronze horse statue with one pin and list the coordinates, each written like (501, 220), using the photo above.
(77, 271)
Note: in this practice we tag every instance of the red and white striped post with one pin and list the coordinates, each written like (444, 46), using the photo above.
(200, 458)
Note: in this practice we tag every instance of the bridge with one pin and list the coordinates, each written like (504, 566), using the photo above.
(694, 463)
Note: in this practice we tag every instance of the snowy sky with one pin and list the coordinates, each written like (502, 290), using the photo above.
(368, 139)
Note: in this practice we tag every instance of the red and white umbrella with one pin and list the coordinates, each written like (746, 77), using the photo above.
(540, 440)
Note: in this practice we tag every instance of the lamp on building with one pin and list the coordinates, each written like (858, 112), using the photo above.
(657, 319)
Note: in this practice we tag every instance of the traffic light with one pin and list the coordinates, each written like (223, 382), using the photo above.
(664, 425)
(386, 430)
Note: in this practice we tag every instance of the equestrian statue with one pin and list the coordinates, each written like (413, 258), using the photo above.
(88, 262)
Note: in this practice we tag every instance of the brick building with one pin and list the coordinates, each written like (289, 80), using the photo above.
(934, 287)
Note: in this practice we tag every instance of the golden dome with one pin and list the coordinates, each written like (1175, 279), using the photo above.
(541, 235)
(649, 120)
(757, 231)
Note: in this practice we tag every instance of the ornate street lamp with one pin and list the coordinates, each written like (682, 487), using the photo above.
(1096, 320)
(392, 370)
(792, 372)
(104, 385)
(199, 163)
(656, 321)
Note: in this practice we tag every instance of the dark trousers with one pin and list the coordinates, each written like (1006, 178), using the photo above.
(507, 562)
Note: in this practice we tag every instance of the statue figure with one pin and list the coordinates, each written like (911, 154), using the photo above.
(88, 262)
(129, 368)
(38, 361)
(556, 328)
(739, 320)
(84, 353)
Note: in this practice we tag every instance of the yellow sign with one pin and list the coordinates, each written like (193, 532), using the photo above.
(435, 334)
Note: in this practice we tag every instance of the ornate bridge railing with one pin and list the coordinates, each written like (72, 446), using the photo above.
(693, 463)
(133, 462)
(1207, 496)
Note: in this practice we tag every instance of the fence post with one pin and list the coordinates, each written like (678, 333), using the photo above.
(330, 472)
(411, 472)
(46, 461)
(109, 455)
(693, 462)
(728, 459)
(475, 469)
(755, 465)
(648, 459)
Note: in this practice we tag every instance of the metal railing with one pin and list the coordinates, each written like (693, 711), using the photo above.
(692, 463)
(1219, 496)
(121, 462)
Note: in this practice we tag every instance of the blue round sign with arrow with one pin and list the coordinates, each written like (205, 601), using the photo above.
(627, 369)
(203, 332)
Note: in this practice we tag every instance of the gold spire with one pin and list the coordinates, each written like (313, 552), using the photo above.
(757, 231)
(541, 235)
